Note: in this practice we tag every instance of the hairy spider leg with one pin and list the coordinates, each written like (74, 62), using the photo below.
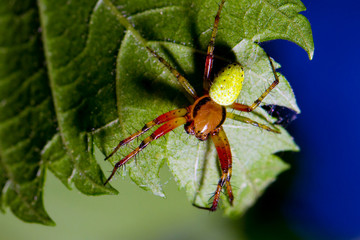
(210, 51)
(182, 80)
(161, 131)
(246, 108)
(157, 121)
(250, 121)
(223, 149)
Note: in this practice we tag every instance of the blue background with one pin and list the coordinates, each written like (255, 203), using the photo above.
(324, 199)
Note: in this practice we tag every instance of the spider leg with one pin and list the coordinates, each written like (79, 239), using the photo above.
(161, 131)
(246, 108)
(210, 51)
(250, 121)
(223, 149)
(182, 80)
(157, 121)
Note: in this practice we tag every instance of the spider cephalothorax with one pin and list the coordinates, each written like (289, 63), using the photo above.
(204, 118)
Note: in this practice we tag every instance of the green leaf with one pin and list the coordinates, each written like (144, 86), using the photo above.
(194, 165)
(74, 74)
(30, 121)
(26, 112)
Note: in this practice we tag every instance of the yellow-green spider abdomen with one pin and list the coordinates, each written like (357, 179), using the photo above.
(227, 85)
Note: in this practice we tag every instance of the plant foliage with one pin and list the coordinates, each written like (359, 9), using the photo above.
(75, 75)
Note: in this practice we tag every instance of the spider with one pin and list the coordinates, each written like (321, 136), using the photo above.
(204, 118)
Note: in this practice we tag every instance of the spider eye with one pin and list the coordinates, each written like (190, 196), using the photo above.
(227, 85)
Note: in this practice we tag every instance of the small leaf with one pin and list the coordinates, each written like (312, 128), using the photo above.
(258, 21)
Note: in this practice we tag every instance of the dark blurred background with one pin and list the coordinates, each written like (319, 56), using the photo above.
(324, 198)
(317, 199)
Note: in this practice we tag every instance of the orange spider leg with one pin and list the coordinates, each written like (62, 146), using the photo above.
(246, 108)
(161, 131)
(250, 121)
(182, 80)
(157, 121)
(223, 149)
(210, 51)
